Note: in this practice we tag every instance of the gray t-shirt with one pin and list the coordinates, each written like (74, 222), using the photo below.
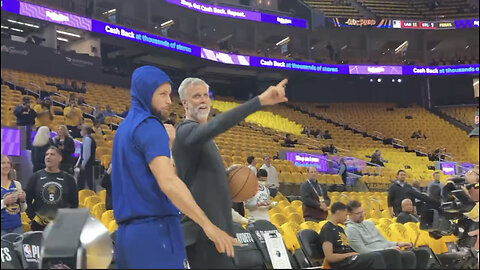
(200, 166)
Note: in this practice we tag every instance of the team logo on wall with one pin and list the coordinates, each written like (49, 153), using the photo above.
(52, 192)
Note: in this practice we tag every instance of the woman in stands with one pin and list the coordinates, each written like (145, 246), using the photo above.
(64, 142)
(13, 199)
(40, 144)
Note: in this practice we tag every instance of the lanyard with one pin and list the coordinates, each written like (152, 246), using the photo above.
(316, 192)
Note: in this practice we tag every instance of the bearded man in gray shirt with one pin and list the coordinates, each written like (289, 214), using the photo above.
(200, 165)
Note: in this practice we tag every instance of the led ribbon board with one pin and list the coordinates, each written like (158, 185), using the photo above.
(239, 13)
(75, 21)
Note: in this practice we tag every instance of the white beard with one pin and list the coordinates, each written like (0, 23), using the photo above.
(197, 114)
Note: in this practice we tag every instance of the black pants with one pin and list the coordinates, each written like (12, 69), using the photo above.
(396, 259)
(86, 178)
(371, 260)
(34, 226)
(423, 256)
(203, 255)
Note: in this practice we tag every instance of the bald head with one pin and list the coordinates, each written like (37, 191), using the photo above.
(407, 206)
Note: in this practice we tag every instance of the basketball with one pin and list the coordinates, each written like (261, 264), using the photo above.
(242, 181)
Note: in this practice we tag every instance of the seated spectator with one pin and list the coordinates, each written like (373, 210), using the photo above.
(13, 199)
(83, 88)
(65, 143)
(364, 237)
(336, 249)
(48, 190)
(40, 145)
(437, 155)
(259, 205)
(407, 214)
(44, 112)
(415, 135)
(288, 142)
(125, 112)
(331, 149)
(25, 115)
(64, 86)
(305, 131)
(108, 111)
(97, 128)
(327, 135)
(74, 86)
(81, 100)
(377, 158)
(107, 185)
(418, 135)
(98, 114)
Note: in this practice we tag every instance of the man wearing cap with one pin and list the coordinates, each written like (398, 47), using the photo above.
(44, 112)
(147, 194)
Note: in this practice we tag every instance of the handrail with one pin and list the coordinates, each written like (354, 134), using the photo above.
(359, 127)
(398, 142)
(378, 134)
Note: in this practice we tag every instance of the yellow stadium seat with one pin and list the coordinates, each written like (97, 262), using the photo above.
(278, 219)
(83, 194)
(112, 226)
(296, 218)
(91, 201)
(97, 210)
(106, 217)
(102, 194)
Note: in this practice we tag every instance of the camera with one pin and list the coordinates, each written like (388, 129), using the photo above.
(450, 219)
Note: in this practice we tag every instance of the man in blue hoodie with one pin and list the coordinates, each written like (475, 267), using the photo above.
(147, 194)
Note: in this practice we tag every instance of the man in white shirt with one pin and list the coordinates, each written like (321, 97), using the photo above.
(272, 179)
(251, 164)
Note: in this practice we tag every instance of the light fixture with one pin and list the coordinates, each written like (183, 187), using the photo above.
(283, 41)
(371, 80)
(68, 33)
(402, 46)
(23, 23)
(379, 80)
(167, 24)
(109, 12)
(5, 27)
(62, 39)
(399, 80)
(393, 80)
(16, 29)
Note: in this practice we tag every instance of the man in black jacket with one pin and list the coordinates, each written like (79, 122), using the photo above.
(48, 190)
(314, 197)
(200, 165)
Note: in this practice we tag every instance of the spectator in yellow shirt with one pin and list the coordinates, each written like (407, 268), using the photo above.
(73, 116)
(44, 112)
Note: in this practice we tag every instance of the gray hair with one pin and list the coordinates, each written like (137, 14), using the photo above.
(187, 83)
